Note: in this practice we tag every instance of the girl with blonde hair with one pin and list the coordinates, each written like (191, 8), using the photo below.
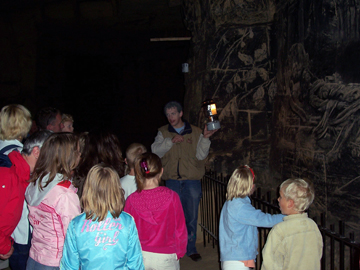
(239, 220)
(103, 237)
(158, 215)
(52, 200)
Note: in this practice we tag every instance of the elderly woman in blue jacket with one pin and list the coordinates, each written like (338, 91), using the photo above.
(239, 221)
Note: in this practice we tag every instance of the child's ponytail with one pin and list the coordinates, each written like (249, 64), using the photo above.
(147, 166)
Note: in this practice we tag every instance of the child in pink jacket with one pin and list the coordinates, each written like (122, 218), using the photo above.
(52, 200)
(158, 215)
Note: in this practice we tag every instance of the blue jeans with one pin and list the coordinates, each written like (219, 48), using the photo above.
(34, 265)
(190, 194)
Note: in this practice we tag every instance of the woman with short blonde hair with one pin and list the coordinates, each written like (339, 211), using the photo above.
(15, 122)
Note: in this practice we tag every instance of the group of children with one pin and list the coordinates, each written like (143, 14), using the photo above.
(149, 234)
(294, 242)
(85, 217)
(156, 236)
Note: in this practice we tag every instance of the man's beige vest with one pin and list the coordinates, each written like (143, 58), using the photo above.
(180, 162)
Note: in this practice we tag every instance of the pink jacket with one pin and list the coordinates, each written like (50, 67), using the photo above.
(51, 211)
(160, 220)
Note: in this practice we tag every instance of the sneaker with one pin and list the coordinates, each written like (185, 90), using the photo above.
(195, 257)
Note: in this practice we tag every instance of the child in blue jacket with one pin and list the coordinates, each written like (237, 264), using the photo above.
(239, 220)
(103, 237)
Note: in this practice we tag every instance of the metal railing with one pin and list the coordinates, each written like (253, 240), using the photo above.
(339, 252)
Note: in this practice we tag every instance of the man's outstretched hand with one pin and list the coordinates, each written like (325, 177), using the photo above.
(208, 133)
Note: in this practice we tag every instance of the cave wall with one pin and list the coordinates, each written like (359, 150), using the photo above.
(317, 112)
(285, 77)
(235, 43)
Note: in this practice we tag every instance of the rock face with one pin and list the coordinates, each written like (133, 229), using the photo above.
(285, 79)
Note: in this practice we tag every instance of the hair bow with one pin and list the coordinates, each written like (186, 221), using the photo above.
(144, 165)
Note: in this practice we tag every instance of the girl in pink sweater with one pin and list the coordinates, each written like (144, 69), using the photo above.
(52, 200)
(158, 215)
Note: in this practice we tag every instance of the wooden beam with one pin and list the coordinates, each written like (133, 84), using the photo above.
(170, 39)
(174, 3)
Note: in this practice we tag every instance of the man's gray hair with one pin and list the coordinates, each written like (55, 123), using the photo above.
(36, 139)
(173, 104)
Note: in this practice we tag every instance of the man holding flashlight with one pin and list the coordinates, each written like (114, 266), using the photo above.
(183, 149)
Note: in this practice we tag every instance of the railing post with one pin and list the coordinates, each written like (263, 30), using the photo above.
(332, 248)
(268, 199)
(342, 245)
(202, 207)
(354, 256)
